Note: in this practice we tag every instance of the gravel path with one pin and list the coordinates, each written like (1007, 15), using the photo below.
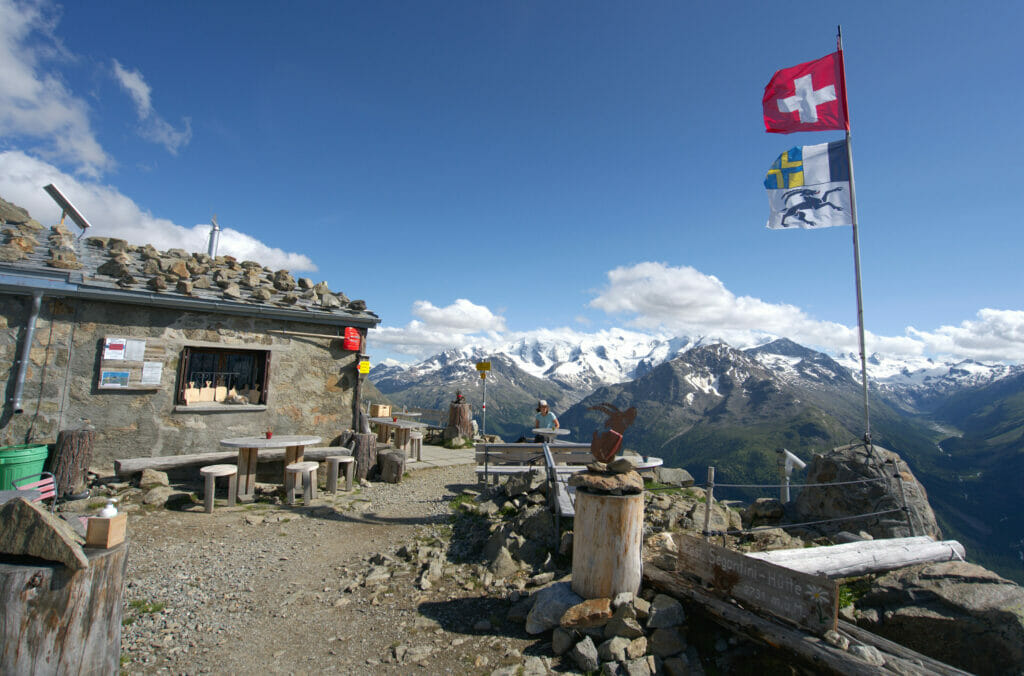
(265, 588)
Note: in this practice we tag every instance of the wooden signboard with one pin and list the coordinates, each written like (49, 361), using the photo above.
(810, 601)
(131, 364)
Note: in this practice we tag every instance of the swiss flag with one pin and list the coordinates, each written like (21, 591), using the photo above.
(808, 97)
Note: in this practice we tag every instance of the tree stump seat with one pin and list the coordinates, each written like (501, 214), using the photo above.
(307, 469)
(334, 462)
(416, 444)
(210, 473)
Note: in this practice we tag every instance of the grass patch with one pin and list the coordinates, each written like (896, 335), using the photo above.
(851, 591)
(460, 500)
(143, 606)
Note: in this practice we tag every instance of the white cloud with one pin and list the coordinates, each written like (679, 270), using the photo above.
(995, 335)
(35, 106)
(685, 301)
(460, 324)
(115, 215)
(151, 126)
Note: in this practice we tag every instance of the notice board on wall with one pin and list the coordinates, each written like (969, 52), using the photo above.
(131, 364)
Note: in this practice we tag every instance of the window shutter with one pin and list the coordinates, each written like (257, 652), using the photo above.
(183, 374)
(266, 380)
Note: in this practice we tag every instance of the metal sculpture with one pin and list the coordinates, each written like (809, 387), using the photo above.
(605, 445)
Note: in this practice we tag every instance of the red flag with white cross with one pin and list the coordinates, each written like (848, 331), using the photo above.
(808, 97)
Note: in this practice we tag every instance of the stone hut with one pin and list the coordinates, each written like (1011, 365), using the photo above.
(165, 352)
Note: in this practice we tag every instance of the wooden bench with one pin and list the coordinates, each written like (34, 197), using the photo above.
(515, 458)
(560, 460)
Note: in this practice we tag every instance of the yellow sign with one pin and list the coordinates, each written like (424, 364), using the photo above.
(364, 366)
(483, 366)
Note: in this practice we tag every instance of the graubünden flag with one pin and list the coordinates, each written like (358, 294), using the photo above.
(809, 187)
(808, 97)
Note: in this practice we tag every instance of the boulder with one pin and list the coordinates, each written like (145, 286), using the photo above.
(763, 511)
(151, 478)
(551, 604)
(673, 476)
(590, 613)
(524, 482)
(30, 530)
(880, 493)
(956, 612)
(665, 612)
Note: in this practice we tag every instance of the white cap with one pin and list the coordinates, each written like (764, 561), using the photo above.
(542, 402)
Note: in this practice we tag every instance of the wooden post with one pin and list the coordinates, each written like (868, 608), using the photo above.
(59, 621)
(357, 391)
(607, 544)
(364, 450)
(71, 460)
(709, 496)
(460, 416)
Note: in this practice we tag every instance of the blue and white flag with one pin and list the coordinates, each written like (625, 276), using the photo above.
(809, 187)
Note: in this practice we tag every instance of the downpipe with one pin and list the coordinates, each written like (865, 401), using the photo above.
(30, 330)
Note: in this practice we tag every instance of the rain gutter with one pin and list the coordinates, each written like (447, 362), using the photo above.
(26, 347)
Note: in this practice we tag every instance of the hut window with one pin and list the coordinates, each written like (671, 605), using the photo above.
(215, 375)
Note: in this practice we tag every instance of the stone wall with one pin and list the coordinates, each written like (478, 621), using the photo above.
(310, 385)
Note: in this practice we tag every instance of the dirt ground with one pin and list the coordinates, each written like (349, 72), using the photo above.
(277, 589)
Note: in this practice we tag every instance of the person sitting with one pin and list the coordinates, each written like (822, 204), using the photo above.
(545, 419)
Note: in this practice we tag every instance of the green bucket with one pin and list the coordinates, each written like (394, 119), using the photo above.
(21, 461)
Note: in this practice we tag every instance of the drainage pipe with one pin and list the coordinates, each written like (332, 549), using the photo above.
(30, 330)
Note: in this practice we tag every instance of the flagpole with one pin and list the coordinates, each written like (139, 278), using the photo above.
(856, 242)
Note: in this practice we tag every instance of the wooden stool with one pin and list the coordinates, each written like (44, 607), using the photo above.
(333, 464)
(308, 470)
(416, 444)
(211, 472)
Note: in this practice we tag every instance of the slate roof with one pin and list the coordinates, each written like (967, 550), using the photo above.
(56, 261)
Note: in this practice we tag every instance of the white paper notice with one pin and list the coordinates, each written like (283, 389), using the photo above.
(113, 348)
(134, 350)
(151, 372)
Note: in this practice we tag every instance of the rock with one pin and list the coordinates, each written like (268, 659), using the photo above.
(534, 666)
(677, 666)
(637, 667)
(538, 524)
(30, 530)
(622, 598)
(855, 463)
(503, 564)
(151, 478)
(624, 623)
(673, 476)
(590, 613)
(956, 612)
(232, 291)
(614, 649)
(642, 607)
(584, 654)
(665, 612)
(637, 647)
(392, 466)
(520, 610)
(763, 511)
(551, 604)
(613, 484)
(524, 482)
(378, 575)
(158, 496)
(621, 466)
(666, 642)
(562, 640)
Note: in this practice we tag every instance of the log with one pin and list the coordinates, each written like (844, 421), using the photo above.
(460, 417)
(364, 450)
(57, 621)
(860, 558)
(71, 459)
(607, 544)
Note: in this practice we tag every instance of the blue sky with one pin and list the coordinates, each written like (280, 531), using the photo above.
(483, 171)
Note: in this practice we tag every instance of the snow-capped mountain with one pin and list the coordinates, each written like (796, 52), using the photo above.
(577, 364)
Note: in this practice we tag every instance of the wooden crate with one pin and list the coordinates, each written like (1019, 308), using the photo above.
(380, 410)
(106, 532)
